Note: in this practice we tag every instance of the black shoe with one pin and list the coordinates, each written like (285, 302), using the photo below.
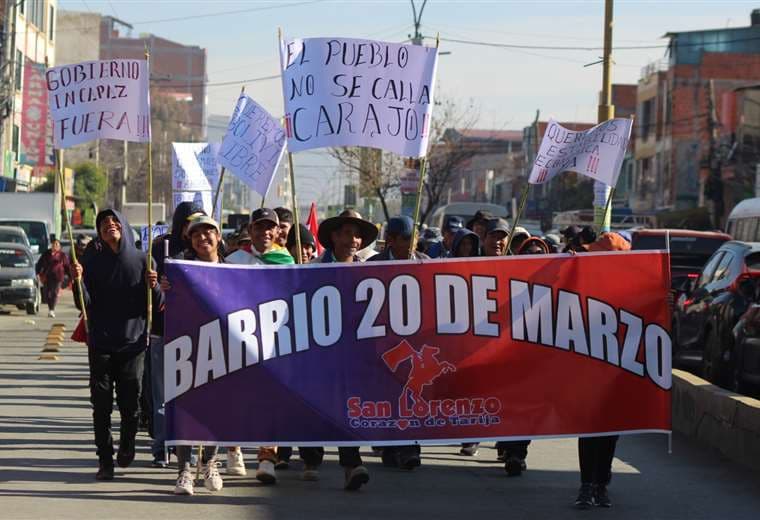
(105, 471)
(514, 466)
(410, 462)
(282, 464)
(125, 456)
(356, 478)
(585, 498)
(159, 462)
(469, 450)
(600, 496)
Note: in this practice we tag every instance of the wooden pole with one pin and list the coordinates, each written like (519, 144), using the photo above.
(150, 219)
(297, 232)
(516, 218)
(216, 196)
(61, 181)
(421, 183)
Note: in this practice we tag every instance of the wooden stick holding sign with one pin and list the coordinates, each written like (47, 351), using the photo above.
(62, 183)
(516, 217)
(420, 184)
(149, 261)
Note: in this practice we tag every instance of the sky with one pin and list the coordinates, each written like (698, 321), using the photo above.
(505, 85)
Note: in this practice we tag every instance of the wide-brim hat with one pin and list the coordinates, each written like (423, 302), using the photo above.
(367, 230)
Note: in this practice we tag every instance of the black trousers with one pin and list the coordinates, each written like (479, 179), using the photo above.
(404, 452)
(313, 455)
(123, 372)
(595, 455)
(516, 449)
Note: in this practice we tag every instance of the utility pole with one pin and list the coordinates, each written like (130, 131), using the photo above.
(417, 38)
(602, 192)
(714, 184)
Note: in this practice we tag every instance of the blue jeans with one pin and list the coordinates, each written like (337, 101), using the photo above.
(157, 394)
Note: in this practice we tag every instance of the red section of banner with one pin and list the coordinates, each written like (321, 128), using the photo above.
(36, 128)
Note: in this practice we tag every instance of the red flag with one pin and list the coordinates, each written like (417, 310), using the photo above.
(313, 226)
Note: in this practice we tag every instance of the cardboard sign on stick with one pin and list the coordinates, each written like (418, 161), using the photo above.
(349, 92)
(105, 99)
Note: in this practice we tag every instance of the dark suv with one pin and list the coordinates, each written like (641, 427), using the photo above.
(709, 307)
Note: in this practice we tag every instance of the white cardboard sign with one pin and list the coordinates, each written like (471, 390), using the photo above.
(105, 99)
(157, 232)
(253, 145)
(597, 152)
(350, 92)
(195, 166)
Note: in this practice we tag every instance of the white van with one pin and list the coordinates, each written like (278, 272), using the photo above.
(744, 221)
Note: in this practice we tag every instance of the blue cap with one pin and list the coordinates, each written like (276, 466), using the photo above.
(453, 223)
(402, 225)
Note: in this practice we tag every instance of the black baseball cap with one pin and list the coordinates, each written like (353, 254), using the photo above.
(497, 224)
(402, 225)
(453, 223)
(265, 214)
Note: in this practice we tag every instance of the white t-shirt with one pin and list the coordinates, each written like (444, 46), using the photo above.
(243, 257)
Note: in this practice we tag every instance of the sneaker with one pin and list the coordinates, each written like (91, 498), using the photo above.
(51, 314)
(265, 474)
(469, 450)
(282, 464)
(159, 462)
(310, 473)
(235, 463)
(410, 462)
(356, 478)
(185, 483)
(514, 466)
(125, 456)
(600, 496)
(211, 477)
(105, 471)
(585, 498)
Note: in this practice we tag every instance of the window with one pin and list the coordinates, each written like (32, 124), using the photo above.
(51, 23)
(22, 6)
(709, 269)
(16, 141)
(722, 272)
(18, 69)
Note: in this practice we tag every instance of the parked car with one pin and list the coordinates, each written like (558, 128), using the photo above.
(18, 281)
(709, 307)
(14, 234)
(689, 251)
(745, 375)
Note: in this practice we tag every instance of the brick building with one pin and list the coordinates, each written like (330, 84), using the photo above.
(674, 120)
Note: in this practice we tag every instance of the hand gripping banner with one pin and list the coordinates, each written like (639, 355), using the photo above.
(431, 352)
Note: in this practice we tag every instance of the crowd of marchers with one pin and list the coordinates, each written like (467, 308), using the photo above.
(126, 358)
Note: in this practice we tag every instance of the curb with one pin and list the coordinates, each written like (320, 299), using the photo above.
(719, 418)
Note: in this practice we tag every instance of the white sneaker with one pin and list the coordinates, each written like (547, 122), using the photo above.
(265, 473)
(211, 477)
(184, 483)
(235, 463)
(51, 314)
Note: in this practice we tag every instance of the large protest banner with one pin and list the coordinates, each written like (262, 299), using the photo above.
(195, 166)
(597, 152)
(440, 351)
(350, 92)
(99, 99)
(253, 145)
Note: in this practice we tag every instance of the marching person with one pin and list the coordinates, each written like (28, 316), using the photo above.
(478, 223)
(343, 237)
(179, 240)
(308, 244)
(450, 228)
(398, 239)
(264, 230)
(204, 241)
(285, 217)
(595, 454)
(520, 235)
(52, 268)
(114, 291)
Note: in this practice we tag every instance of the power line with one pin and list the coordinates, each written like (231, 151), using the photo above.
(180, 85)
(224, 13)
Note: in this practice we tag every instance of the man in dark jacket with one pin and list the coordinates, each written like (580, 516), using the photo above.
(114, 290)
(398, 238)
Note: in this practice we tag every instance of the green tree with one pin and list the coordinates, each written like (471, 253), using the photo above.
(48, 185)
(89, 185)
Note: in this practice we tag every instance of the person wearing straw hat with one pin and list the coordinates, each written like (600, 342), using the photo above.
(343, 237)
(204, 237)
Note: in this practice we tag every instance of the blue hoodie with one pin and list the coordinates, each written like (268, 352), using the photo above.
(115, 293)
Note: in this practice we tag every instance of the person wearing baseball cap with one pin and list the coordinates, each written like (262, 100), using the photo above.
(264, 229)
(497, 232)
(450, 227)
(398, 239)
(308, 244)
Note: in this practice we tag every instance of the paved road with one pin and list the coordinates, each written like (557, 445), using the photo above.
(47, 464)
